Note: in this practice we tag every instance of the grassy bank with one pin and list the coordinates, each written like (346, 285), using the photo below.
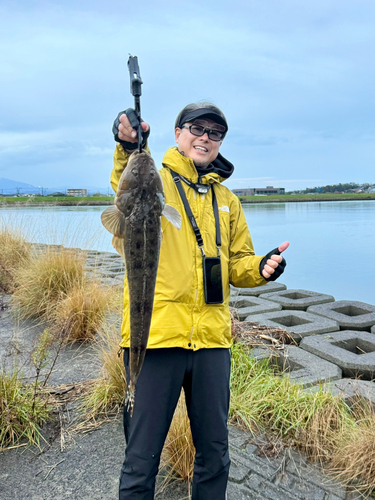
(286, 198)
(56, 200)
(105, 200)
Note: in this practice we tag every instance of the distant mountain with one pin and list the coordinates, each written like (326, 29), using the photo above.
(9, 187)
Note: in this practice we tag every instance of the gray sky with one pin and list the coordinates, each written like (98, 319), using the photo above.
(295, 80)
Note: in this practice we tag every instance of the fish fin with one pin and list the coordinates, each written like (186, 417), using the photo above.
(112, 220)
(118, 245)
(173, 215)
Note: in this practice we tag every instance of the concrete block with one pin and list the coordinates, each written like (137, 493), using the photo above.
(244, 306)
(264, 352)
(297, 299)
(350, 389)
(298, 323)
(351, 315)
(112, 281)
(353, 351)
(272, 286)
(306, 368)
(107, 255)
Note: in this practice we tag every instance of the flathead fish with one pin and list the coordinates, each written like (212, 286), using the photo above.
(135, 223)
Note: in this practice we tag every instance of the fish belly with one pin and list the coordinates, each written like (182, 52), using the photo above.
(142, 248)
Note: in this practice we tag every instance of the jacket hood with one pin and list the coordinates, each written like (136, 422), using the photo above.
(219, 170)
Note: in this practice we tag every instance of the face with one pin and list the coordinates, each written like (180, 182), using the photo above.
(201, 150)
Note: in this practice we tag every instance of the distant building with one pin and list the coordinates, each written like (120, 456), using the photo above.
(259, 191)
(77, 192)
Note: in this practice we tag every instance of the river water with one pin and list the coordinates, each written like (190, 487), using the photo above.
(331, 243)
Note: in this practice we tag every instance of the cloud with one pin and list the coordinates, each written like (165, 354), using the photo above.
(294, 79)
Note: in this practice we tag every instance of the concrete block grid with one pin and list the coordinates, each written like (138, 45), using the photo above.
(350, 355)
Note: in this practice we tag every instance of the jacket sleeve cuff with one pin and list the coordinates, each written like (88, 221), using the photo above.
(245, 272)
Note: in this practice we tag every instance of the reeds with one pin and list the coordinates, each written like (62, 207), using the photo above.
(14, 254)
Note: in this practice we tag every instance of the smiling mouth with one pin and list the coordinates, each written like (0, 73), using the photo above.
(201, 148)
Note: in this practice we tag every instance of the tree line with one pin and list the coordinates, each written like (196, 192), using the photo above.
(332, 188)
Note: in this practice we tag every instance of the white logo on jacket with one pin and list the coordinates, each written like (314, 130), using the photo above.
(224, 209)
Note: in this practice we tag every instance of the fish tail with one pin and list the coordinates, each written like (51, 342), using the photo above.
(130, 398)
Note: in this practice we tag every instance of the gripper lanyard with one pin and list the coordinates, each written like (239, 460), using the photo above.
(177, 179)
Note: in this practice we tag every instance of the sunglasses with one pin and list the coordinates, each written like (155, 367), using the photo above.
(198, 131)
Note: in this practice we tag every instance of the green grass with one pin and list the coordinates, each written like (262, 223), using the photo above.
(262, 399)
(57, 200)
(108, 200)
(22, 412)
(285, 198)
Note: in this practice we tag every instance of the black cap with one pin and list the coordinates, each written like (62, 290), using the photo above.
(200, 113)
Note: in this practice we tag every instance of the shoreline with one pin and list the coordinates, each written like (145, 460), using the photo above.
(243, 200)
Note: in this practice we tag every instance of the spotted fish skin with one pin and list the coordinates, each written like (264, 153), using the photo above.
(142, 248)
(135, 222)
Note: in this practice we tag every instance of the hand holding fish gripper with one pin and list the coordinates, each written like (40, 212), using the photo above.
(136, 91)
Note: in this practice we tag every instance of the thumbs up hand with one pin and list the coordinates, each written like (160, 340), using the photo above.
(273, 264)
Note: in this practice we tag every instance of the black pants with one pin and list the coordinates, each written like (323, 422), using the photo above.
(204, 375)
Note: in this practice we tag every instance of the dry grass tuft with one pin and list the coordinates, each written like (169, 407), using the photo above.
(179, 452)
(108, 391)
(353, 459)
(14, 254)
(81, 313)
(46, 280)
(328, 417)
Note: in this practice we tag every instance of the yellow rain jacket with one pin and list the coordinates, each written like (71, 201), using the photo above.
(181, 318)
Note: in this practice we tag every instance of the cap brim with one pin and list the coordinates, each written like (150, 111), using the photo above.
(204, 113)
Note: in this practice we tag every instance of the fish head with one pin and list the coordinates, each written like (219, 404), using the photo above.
(139, 179)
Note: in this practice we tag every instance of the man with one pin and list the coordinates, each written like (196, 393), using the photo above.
(189, 343)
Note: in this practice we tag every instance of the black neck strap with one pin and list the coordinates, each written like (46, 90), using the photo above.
(177, 179)
(199, 188)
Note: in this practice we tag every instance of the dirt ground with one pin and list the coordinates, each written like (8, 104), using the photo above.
(69, 464)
